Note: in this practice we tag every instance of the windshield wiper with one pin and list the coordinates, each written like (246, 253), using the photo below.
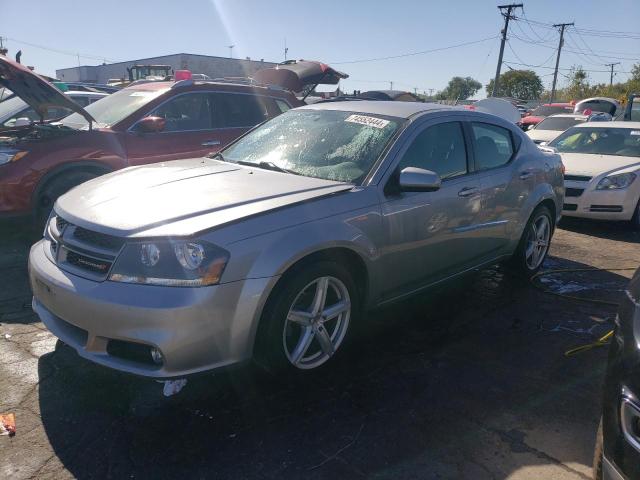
(266, 166)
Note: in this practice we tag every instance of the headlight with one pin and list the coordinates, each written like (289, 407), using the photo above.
(176, 263)
(7, 156)
(615, 182)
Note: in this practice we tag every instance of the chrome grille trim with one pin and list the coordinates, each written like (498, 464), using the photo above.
(81, 251)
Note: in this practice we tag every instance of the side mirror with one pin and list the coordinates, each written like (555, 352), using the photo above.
(150, 125)
(419, 180)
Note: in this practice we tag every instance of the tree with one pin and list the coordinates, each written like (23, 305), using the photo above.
(460, 88)
(522, 84)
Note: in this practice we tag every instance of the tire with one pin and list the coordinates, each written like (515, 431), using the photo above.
(55, 188)
(295, 335)
(530, 255)
(597, 454)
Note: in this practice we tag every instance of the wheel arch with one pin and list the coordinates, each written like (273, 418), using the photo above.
(92, 166)
(339, 254)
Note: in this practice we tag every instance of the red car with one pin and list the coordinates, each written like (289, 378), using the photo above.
(543, 111)
(146, 123)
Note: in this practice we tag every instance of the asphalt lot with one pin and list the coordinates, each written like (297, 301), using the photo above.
(468, 383)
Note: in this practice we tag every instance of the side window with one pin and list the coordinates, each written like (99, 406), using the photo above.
(238, 110)
(493, 145)
(439, 148)
(191, 111)
(282, 105)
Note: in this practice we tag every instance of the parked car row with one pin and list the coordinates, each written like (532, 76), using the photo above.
(146, 123)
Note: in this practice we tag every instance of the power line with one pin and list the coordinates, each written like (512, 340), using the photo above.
(552, 68)
(63, 52)
(518, 57)
(411, 54)
(574, 51)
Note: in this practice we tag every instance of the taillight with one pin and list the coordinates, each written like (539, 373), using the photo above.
(182, 75)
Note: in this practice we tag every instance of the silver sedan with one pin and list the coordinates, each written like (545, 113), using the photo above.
(274, 248)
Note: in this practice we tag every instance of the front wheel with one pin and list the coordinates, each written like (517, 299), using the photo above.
(534, 243)
(635, 220)
(309, 318)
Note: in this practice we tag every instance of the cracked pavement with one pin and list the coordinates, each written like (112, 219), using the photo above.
(469, 382)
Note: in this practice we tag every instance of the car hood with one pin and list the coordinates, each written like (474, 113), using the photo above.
(296, 74)
(34, 89)
(593, 165)
(184, 197)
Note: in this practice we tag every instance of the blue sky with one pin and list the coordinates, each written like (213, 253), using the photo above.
(332, 31)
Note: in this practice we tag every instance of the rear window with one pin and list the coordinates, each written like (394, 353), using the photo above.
(558, 123)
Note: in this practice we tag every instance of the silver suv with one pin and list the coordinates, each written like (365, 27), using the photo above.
(274, 248)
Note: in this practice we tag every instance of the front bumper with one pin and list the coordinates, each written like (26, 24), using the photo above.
(196, 329)
(584, 201)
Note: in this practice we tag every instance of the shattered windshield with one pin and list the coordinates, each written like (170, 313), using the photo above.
(113, 108)
(332, 145)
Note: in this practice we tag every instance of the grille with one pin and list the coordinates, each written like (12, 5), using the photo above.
(573, 192)
(85, 262)
(84, 252)
(97, 239)
(61, 223)
(577, 178)
(570, 207)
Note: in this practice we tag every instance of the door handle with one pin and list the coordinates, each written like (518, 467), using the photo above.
(526, 174)
(211, 143)
(467, 191)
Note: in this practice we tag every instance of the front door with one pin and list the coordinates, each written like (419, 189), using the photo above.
(431, 235)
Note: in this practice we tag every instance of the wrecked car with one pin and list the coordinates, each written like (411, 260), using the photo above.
(274, 247)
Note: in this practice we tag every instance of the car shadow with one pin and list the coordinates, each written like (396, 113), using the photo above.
(467, 382)
(620, 231)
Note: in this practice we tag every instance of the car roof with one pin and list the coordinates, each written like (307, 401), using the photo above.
(633, 125)
(382, 107)
(183, 85)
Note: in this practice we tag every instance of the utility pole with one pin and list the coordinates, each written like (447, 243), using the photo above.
(390, 84)
(431, 92)
(560, 43)
(230, 47)
(507, 16)
(286, 50)
(611, 65)
(3, 50)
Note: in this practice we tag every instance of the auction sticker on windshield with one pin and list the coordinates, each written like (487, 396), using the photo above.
(368, 121)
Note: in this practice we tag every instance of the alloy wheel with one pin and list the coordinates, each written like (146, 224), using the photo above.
(538, 239)
(317, 322)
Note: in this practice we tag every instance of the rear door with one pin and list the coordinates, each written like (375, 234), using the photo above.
(508, 180)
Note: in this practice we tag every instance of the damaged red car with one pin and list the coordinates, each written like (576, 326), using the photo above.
(146, 123)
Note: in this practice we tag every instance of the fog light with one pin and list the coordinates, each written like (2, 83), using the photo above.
(156, 356)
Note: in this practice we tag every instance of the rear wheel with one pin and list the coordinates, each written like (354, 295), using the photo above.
(55, 188)
(534, 243)
(308, 320)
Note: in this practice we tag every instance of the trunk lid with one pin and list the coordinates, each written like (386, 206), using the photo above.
(295, 75)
